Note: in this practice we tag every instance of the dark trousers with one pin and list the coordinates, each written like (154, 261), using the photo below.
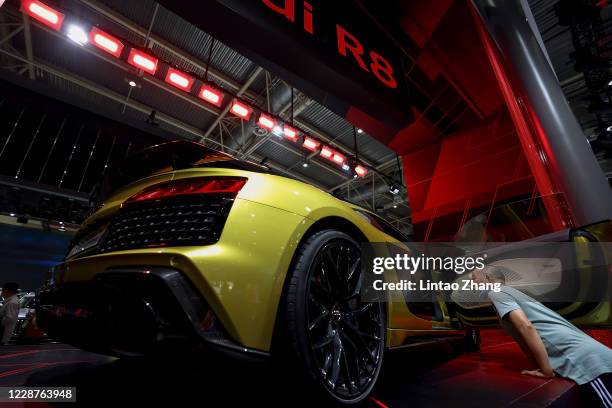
(598, 392)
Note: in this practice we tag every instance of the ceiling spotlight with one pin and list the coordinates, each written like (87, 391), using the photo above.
(393, 189)
(346, 167)
(132, 84)
(360, 131)
(609, 128)
(394, 205)
(305, 164)
(77, 34)
(12, 214)
(278, 131)
(610, 83)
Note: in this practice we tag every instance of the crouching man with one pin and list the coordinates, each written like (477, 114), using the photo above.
(554, 345)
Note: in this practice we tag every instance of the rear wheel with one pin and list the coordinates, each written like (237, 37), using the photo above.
(338, 339)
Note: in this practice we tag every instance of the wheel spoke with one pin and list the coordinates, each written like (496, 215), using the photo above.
(358, 352)
(352, 269)
(326, 364)
(361, 310)
(325, 277)
(319, 297)
(323, 342)
(350, 383)
(318, 319)
(337, 356)
(361, 346)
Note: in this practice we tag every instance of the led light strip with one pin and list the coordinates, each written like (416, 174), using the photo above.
(150, 64)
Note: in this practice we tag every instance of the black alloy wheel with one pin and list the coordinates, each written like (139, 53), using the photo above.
(339, 338)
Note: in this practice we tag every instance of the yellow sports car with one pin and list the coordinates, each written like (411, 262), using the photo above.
(190, 246)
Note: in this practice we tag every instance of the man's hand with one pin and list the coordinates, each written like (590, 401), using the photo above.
(537, 373)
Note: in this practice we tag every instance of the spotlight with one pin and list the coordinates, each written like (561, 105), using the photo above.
(360, 171)
(179, 79)
(346, 167)
(393, 189)
(609, 128)
(305, 164)
(290, 133)
(43, 13)
(241, 110)
(77, 34)
(211, 95)
(610, 83)
(143, 61)
(106, 42)
(278, 131)
(266, 122)
(360, 131)
(311, 144)
(132, 84)
(394, 205)
(12, 214)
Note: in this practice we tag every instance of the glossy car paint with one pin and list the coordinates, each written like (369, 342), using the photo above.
(243, 274)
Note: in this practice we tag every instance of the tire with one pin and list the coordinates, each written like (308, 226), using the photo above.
(471, 341)
(337, 340)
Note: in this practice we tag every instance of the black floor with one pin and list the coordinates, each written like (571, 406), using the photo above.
(435, 376)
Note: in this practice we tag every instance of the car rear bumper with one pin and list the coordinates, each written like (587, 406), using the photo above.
(134, 311)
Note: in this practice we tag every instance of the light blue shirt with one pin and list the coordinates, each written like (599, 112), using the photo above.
(572, 353)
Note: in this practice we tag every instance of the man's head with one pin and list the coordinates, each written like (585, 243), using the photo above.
(489, 274)
(9, 289)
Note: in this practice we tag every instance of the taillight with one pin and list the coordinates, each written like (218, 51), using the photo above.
(191, 186)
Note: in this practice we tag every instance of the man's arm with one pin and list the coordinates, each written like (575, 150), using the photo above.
(533, 342)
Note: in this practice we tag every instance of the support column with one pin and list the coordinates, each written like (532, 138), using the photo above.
(569, 159)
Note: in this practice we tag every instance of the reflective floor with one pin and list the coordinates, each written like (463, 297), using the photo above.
(432, 376)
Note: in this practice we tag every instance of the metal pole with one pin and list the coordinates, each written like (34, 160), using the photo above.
(8, 139)
(27, 153)
(93, 148)
(571, 160)
(28, 45)
(57, 135)
(76, 142)
(108, 157)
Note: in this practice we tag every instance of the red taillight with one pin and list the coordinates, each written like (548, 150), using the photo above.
(211, 95)
(179, 79)
(290, 133)
(143, 61)
(311, 144)
(204, 185)
(43, 13)
(266, 122)
(361, 171)
(241, 110)
(106, 42)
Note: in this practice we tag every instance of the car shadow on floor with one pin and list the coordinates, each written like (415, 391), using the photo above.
(214, 380)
